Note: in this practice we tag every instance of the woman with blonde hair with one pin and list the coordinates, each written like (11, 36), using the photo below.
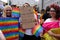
(11, 33)
(7, 12)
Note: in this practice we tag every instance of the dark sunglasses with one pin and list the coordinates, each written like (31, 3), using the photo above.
(8, 10)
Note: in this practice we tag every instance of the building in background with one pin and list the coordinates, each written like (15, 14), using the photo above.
(42, 4)
(21, 2)
(48, 2)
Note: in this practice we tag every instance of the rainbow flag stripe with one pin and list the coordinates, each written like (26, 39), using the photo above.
(37, 30)
(21, 32)
(9, 27)
(16, 12)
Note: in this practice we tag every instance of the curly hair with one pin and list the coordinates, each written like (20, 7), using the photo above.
(57, 9)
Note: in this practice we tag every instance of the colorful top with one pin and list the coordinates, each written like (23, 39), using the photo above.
(9, 27)
(49, 24)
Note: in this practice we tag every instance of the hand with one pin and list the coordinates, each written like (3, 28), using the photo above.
(57, 35)
(51, 33)
(41, 21)
(20, 24)
(41, 34)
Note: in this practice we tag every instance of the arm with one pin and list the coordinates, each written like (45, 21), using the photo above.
(2, 36)
(53, 34)
(41, 34)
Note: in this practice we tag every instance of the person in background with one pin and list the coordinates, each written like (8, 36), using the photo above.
(1, 10)
(46, 15)
(13, 6)
(41, 15)
(52, 22)
(35, 13)
(36, 8)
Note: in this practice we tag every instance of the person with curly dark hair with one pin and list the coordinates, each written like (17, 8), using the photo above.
(52, 24)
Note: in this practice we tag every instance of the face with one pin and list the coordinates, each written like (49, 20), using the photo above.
(26, 5)
(8, 11)
(52, 12)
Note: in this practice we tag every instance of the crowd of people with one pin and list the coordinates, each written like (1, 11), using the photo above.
(49, 20)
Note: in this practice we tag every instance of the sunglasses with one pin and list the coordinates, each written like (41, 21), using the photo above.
(8, 10)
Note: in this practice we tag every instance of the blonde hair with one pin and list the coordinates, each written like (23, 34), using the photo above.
(4, 13)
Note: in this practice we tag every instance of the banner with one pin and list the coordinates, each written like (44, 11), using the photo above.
(27, 17)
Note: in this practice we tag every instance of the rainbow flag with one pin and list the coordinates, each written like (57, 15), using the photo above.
(9, 27)
(21, 32)
(16, 12)
(37, 30)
